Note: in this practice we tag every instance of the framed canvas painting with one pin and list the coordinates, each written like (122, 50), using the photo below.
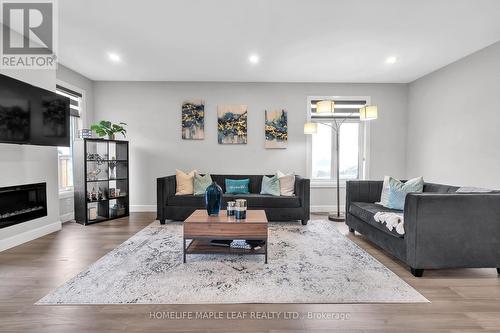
(276, 129)
(193, 120)
(232, 124)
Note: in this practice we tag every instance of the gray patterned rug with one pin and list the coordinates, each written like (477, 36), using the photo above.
(307, 264)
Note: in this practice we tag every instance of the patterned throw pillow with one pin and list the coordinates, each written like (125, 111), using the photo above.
(237, 186)
(287, 183)
(398, 191)
(270, 185)
(201, 183)
(184, 182)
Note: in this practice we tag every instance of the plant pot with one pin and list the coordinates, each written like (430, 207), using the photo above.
(111, 137)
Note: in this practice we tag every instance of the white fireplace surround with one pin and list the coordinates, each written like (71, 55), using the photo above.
(25, 164)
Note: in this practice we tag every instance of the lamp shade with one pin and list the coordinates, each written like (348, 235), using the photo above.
(310, 128)
(368, 112)
(326, 106)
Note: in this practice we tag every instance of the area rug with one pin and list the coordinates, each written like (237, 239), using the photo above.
(307, 264)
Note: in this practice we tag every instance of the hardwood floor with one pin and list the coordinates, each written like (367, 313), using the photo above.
(465, 300)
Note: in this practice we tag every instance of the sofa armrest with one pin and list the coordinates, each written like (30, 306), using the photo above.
(362, 191)
(452, 230)
(165, 188)
(302, 190)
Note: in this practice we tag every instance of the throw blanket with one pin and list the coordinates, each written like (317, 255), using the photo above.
(392, 221)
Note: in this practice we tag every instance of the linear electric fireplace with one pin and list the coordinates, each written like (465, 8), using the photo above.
(22, 203)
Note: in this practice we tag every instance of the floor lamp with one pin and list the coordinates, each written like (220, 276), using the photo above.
(368, 112)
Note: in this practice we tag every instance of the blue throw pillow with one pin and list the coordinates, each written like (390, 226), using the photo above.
(270, 185)
(398, 191)
(237, 186)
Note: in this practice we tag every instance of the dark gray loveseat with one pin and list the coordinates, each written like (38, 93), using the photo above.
(278, 208)
(443, 229)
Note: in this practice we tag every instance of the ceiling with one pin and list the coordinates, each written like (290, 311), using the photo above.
(296, 41)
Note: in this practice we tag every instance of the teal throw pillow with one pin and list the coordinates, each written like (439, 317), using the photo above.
(270, 185)
(237, 186)
(398, 191)
(201, 183)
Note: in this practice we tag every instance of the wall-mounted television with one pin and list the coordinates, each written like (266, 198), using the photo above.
(32, 115)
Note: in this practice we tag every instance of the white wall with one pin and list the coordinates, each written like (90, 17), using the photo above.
(153, 112)
(453, 124)
(21, 164)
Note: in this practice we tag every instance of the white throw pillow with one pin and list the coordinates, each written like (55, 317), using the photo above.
(287, 183)
(384, 197)
(184, 182)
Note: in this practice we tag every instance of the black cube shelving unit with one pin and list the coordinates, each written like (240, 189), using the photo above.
(101, 180)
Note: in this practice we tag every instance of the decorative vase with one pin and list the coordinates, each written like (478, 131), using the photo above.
(213, 199)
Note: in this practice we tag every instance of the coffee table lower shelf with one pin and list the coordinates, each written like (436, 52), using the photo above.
(203, 246)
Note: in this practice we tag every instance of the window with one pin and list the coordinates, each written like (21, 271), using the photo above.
(323, 154)
(65, 153)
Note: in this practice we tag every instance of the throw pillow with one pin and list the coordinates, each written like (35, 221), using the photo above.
(237, 186)
(384, 196)
(287, 183)
(184, 182)
(398, 191)
(270, 185)
(201, 183)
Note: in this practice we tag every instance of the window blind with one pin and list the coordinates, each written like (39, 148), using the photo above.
(75, 100)
(343, 109)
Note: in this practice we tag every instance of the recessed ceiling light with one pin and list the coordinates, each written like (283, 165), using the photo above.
(114, 57)
(391, 60)
(254, 59)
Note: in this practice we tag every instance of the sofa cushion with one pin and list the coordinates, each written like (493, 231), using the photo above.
(270, 185)
(184, 182)
(398, 191)
(237, 186)
(365, 212)
(201, 182)
(287, 183)
(253, 200)
(253, 187)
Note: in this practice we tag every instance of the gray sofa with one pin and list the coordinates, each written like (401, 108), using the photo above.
(278, 208)
(443, 229)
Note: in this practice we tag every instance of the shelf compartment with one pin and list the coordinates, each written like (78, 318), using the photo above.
(97, 150)
(118, 170)
(93, 189)
(97, 211)
(97, 171)
(118, 207)
(118, 187)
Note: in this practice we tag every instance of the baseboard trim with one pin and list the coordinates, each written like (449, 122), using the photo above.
(325, 208)
(143, 208)
(29, 235)
(67, 217)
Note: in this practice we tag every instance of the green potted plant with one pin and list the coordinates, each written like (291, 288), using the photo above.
(105, 127)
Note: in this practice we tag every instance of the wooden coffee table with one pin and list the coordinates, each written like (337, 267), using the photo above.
(201, 229)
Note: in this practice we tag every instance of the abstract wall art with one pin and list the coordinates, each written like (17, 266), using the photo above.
(193, 120)
(276, 129)
(232, 124)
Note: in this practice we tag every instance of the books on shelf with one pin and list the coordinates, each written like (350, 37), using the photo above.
(238, 244)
